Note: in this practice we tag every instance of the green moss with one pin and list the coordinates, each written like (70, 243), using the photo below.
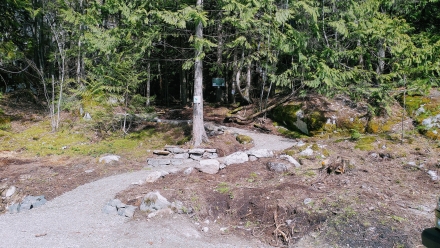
(286, 115)
(365, 143)
(315, 121)
(355, 124)
(38, 140)
(244, 139)
(290, 134)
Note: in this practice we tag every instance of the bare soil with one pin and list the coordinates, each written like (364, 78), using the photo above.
(380, 200)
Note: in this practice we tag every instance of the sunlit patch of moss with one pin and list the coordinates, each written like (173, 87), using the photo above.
(354, 123)
(365, 143)
(412, 103)
(290, 134)
(38, 140)
(244, 139)
(315, 121)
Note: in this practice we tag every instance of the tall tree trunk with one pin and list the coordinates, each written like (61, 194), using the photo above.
(380, 56)
(148, 93)
(199, 134)
(220, 56)
(234, 78)
(183, 93)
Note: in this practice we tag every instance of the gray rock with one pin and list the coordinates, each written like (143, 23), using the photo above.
(197, 151)
(306, 152)
(196, 157)
(210, 155)
(205, 229)
(87, 117)
(175, 149)
(178, 207)
(433, 175)
(291, 160)
(236, 158)
(252, 158)
(15, 208)
(129, 211)
(188, 171)
(181, 155)
(211, 150)
(161, 212)
(307, 201)
(10, 191)
(107, 209)
(89, 171)
(210, 166)
(160, 152)
(30, 202)
(155, 162)
(277, 167)
(116, 203)
(154, 201)
(109, 158)
(261, 153)
(153, 176)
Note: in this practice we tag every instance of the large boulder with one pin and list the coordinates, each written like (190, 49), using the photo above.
(210, 166)
(236, 158)
(154, 201)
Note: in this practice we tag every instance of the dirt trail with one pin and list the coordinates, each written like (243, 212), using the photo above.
(74, 219)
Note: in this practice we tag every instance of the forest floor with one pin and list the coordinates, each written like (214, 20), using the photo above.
(385, 198)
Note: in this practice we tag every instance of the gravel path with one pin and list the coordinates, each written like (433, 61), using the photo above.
(75, 219)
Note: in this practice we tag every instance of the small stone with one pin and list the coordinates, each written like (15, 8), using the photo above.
(291, 160)
(89, 171)
(129, 211)
(277, 167)
(153, 176)
(160, 212)
(10, 191)
(306, 152)
(223, 229)
(197, 151)
(175, 150)
(161, 152)
(154, 201)
(196, 157)
(109, 158)
(307, 201)
(261, 153)
(188, 171)
(433, 175)
(15, 208)
(252, 158)
(181, 155)
(205, 229)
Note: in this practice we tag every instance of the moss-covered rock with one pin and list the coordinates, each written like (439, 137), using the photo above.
(244, 139)
(425, 111)
(295, 117)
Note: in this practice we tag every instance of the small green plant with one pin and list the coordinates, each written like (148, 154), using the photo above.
(223, 188)
(354, 134)
(398, 218)
(252, 177)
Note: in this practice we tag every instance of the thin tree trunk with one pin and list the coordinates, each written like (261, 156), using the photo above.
(380, 56)
(148, 93)
(199, 134)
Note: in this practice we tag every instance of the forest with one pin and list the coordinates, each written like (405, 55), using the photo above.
(133, 55)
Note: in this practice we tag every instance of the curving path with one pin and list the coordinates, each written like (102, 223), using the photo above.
(74, 219)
